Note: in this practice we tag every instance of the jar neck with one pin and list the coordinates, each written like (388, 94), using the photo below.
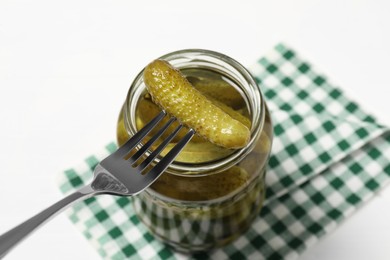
(225, 66)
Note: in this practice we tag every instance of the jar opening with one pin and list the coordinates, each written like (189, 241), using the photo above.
(231, 70)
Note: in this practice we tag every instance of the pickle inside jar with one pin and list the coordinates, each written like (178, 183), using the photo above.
(200, 150)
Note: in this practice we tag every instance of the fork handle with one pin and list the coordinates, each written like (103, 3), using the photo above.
(11, 238)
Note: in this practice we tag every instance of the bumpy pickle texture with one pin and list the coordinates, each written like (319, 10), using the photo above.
(173, 92)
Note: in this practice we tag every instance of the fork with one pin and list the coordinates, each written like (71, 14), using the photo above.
(117, 174)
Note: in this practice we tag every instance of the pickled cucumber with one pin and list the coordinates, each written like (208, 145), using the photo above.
(147, 110)
(202, 188)
(173, 92)
(231, 112)
(199, 152)
(219, 90)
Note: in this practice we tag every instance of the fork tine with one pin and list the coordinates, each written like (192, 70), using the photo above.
(169, 157)
(132, 142)
(146, 146)
(158, 150)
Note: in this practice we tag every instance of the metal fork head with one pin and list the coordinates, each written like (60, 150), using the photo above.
(121, 174)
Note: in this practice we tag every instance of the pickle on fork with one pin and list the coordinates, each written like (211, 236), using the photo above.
(173, 92)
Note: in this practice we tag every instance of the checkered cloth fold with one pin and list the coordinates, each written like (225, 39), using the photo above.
(329, 157)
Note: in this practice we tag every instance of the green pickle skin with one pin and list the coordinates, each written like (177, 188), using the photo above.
(199, 213)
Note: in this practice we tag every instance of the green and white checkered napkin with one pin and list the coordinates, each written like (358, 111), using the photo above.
(328, 158)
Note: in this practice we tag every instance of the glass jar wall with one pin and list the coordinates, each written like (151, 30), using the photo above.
(209, 195)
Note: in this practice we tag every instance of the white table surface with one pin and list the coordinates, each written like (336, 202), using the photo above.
(65, 67)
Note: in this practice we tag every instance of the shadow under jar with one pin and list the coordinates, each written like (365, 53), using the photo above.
(210, 195)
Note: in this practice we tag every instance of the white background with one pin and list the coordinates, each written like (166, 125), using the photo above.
(65, 67)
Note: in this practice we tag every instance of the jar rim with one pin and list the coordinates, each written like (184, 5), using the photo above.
(245, 81)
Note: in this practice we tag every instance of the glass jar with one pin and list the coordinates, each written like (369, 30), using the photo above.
(210, 197)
